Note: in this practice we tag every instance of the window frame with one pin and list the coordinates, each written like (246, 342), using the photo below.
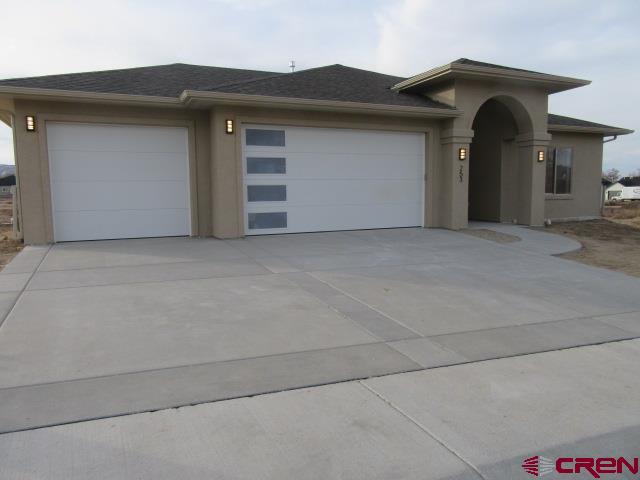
(551, 157)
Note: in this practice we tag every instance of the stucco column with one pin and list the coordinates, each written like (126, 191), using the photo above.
(531, 177)
(226, 176)
(455, 178)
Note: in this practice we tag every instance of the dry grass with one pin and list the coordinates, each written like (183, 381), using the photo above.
(613, 244)
(627, 213)
(9, 247)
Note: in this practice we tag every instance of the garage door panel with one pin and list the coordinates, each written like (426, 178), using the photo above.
(366, 165)
(115, 138)
(78, 166)
(101, 225)
(351, 141)
(78, 196)
(110, 181)
(353, 217)
(338, 192)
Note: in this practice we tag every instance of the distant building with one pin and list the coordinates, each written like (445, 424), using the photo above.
(627, 188)
(6, 183)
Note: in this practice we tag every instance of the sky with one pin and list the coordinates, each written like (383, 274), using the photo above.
(595, 40)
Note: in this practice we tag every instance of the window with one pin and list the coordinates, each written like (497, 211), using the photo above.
(257, 165)
(559, 169)
(265, 138)
(267, 220)
(266, 193)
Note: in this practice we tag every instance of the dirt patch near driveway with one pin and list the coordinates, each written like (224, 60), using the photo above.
(605, 244)
(486, 234)
(9, 247)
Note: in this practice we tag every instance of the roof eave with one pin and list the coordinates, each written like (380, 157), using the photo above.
(581, 129)
(199, 98)
(553, 83)
(189, 98)
(90, 97)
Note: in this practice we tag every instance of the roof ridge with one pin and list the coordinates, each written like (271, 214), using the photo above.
(242, 82)
(277, 75)
(86, 72)
(289, 74)
(129, 69)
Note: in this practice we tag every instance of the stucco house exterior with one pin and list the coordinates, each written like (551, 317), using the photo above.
(207, 151)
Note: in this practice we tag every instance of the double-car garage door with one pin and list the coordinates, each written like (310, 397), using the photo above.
(123, 181)
(299, 179)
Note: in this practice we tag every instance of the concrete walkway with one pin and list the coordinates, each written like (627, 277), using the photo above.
(531, 240)
(473, 421)
(98, 329)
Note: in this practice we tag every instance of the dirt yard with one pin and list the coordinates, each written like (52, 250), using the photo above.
(626, 213)
(613, 242)
(8, 246)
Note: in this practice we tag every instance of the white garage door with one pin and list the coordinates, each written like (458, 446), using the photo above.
(118, 181)
(300, 179)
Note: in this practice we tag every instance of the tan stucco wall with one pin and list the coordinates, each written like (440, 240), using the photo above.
(216, 159)
(584, 200)
(33, 168)
(216, 168)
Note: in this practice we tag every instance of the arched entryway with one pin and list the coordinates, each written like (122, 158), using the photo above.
(493, 159)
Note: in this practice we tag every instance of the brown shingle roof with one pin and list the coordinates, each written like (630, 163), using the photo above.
(333, 82)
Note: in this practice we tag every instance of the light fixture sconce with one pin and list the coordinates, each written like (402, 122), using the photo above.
(462, 154)
(30, 122)
(541, 155)
(228, 126)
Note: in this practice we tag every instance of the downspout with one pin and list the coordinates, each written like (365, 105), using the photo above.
(602, 187)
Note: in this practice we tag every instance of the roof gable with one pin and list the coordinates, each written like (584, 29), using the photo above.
(464, 68)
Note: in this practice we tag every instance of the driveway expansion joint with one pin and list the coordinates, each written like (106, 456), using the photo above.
(424, 429)
(24, 287)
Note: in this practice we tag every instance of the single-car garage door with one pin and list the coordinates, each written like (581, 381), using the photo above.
(118, 181)
(299, 179)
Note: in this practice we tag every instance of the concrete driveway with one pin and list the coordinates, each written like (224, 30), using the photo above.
(99, 329)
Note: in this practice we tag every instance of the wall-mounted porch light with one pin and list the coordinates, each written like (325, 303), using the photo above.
(462, 154)
(30, 122)
(541, 155)
(228, 126)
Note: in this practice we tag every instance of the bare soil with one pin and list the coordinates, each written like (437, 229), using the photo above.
(612, 242)
(9, 247)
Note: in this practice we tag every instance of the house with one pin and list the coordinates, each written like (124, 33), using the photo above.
(6, 183)
(627, 188)
(208, 151)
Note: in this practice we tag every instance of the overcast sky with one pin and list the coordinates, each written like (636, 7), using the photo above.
(596, 40)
